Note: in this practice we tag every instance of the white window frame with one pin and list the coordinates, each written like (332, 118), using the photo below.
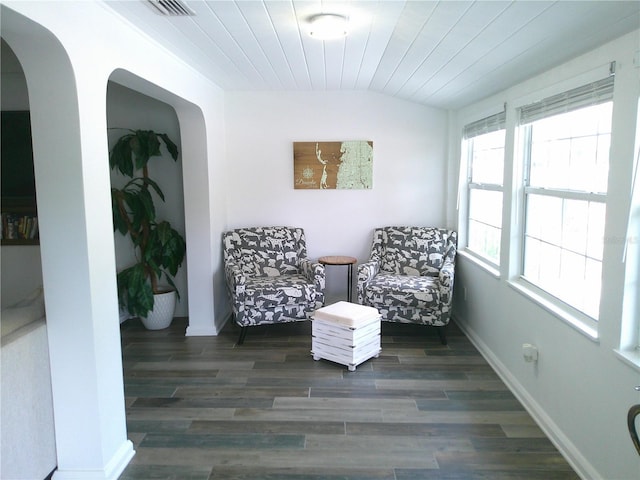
(490, 124)
(585, 96)
(629, 349)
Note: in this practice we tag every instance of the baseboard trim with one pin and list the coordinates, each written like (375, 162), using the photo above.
(112, 470)
(566, 447)
(201, 332)
(208, 331)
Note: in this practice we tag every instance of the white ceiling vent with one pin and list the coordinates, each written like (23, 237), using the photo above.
(171, 8)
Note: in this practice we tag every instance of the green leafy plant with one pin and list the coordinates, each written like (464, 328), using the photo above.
(159, 248)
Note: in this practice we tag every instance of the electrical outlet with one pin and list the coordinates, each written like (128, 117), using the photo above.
(529, 352)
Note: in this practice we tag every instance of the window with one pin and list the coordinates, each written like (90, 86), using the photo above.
(484, 141)
(566, 151)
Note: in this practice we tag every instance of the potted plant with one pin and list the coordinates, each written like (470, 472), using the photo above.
(159, 248)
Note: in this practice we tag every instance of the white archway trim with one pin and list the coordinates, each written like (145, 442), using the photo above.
(193, 148)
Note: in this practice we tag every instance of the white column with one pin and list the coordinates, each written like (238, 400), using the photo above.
(200, 244)
(78, 262)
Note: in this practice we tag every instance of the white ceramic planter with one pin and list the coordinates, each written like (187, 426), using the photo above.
(164, 305)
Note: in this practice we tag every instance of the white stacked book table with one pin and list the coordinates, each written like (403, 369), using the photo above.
(346, 333)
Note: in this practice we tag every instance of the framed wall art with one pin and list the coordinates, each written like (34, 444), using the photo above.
(333, 165)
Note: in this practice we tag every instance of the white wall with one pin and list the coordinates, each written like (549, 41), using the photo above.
(128, 109)
(580, 389)
(409, 171)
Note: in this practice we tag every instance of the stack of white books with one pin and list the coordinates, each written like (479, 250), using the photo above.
(346, 333)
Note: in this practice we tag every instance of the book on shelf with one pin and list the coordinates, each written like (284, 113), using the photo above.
(16, 226)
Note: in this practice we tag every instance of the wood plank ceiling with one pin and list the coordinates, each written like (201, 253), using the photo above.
(445, 54)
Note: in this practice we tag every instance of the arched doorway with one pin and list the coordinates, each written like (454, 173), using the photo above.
(128, 110)
(69, 127)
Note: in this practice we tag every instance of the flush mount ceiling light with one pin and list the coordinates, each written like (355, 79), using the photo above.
(327, 26)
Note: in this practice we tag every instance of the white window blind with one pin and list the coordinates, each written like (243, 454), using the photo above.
(588, 95)
(486, 125)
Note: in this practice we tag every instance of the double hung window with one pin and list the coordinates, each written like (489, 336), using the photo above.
(484, 146)
(566, 142)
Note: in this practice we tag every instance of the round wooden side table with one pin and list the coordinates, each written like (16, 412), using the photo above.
(342, 260)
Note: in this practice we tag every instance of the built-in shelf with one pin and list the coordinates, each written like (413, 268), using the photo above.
(18, 241)
(19, 223)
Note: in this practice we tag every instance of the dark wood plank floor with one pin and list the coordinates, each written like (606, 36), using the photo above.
(201, 408)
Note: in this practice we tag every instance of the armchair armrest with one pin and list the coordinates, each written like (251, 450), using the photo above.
(315, 272)
(366, 272)
(445, 281)
(236, 283)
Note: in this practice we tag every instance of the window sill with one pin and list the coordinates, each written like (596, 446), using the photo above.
(580, 323)
(630, 357)
(488, 267)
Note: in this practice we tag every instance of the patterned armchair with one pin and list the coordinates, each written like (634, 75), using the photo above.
(409, 277)
(269, 278)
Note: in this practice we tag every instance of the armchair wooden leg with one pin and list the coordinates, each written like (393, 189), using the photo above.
(243, 333)
(442, 334)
